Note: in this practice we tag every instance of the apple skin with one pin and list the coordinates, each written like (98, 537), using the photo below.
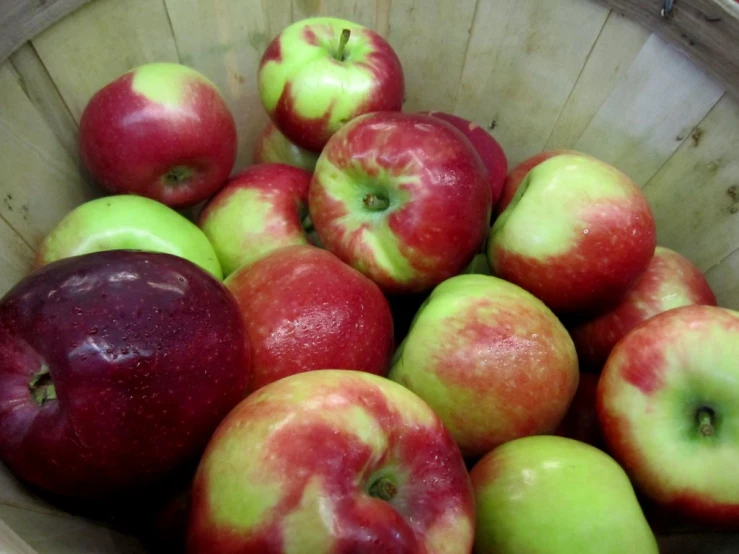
(332, 461)
(401, 197)
(554, 495)
(490, 151)
(481, 342)
(660, 380)
(309, 94)
(258, 211)
(127, 222)
(304, 310)
(670, 281)
(581, 421)
(577, 235)
(274, 147)
(160, 130)
(146, 355)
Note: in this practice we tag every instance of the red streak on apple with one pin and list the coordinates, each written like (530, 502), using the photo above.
(273, 52)
(304, 309)
(581, 421)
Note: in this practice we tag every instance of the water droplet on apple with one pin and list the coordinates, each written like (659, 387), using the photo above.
(77, 310)
(93, 331)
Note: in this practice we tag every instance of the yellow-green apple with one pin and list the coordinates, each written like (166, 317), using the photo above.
(274, 147)
(403, 198)
(577, 234)
(491, 359)
(668, 407)
(258, 211)
(490, 151)
(321, 72)
(670, 281)
(127, 222)
(160, 130)
(115, 369)
(581, 421)
(304, 309)
(331, 461)
(554, 495)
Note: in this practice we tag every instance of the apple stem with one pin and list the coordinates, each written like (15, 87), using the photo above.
(177, 175)
(42, 387)
(384, 489)
(375, 203)
(345, 34)
(705, 421)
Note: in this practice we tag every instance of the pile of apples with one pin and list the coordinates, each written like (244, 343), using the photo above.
(374, 339)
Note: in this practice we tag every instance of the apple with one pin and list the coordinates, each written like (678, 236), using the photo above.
(274, 147)
(581, 421)
(115, 369)
(160, 130)
(492, 361)
(304, 310)
(331, 461)
(670, 281)
(322, 72)
(403, 198)
(259, 210)
(668, 400)
(490, 151)
(518, 174)
(555, 495)
(127, 222)
(577, 235)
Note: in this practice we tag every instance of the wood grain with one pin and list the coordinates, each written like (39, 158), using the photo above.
(707, 31)
(11, 543)
(522, 62)
(363, 12)
(650, 112)
(225, 41)
(723, 280)
(21, 20)
(15, 260)
(430, 37)
(100, 42)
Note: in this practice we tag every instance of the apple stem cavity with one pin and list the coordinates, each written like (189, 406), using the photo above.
(345, 34)
(375, 203)
(384, 489)
(42, 387)
(177, 175)
(705, 422)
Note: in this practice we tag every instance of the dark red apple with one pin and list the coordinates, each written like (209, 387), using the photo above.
(305, 310)
(115, 368)
(581, 421)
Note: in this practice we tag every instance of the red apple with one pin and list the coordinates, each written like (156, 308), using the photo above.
(577, 234)
(581, 421)
(490, 151)
(161, 130)
(305, 310)
(670, 281)
(322, 72)
(402, 197)
(115, 369)
(518, 174)
(332, 461)
(668, 406)
(261, 209)
(274, 147)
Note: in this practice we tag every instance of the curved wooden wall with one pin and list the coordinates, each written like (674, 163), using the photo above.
(555, 74)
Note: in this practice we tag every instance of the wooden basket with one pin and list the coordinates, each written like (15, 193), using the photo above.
(650, 86)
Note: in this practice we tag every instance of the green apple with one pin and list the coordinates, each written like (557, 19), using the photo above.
(128, 222)
(554, 495)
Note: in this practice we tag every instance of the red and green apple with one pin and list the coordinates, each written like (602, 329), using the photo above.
(274, 147)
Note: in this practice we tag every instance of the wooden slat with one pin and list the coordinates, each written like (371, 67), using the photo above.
(225, 41)
(695, 196)
(40, 181)
(42, 91)
(706, 30)
(11, 543)
(430, 38)
(522, 63)
(618, 44)
(363, 12)
(100, 42)
(15, 261)
(20, 20)
(723, 280)
(652, 110)
(55, 534)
